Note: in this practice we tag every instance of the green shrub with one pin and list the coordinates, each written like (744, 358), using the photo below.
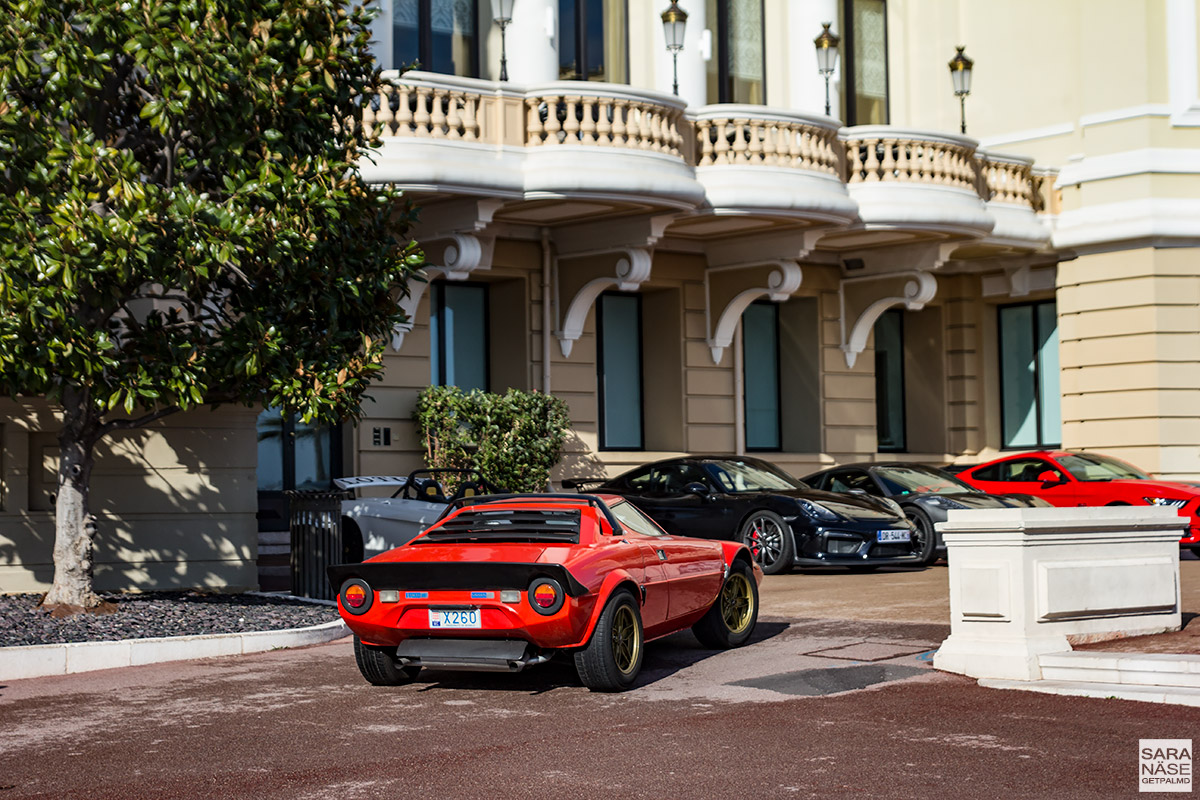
(514, 438)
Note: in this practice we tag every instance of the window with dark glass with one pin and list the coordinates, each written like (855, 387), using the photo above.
(889, 381)
(737, 69)
(1030, 402)
(458, 330)
(760, 359)
(864, 62)
(619, 370)
(441, 35)
(593, 41)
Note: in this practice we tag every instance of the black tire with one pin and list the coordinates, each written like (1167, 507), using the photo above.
(769, 540)
(378, 665)
(926, 536)
(1195, 551)
(612, 658)
(731, 619)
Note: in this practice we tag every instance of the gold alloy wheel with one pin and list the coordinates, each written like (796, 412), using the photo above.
(737, 603)
(626, 643)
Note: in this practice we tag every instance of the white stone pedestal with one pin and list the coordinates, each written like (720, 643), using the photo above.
(1028, 581)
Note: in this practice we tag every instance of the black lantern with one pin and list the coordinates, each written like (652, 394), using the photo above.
(827, 56)
(674, 21)
(960, 76)
(502, 15)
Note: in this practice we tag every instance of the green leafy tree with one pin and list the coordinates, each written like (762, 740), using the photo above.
(513, 439)
(182, 221)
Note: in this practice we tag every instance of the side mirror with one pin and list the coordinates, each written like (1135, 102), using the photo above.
(1050, 478)
(696, 488)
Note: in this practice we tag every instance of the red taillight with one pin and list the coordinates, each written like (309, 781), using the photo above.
(355, 596)
(545, 595)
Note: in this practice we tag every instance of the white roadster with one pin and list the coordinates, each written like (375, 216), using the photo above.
(386, 511)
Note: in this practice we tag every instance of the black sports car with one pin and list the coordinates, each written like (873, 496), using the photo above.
(925, 493)
(784, 522)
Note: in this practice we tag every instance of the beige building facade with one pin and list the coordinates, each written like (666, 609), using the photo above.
(729, 269)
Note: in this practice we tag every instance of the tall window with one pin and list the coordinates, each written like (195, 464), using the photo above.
(439, 34)
(592, 41)
(458, 328)
(737, 73)
(760, 359)
(619, 364)
(864, 62)
(1030, 409)
(889, 381)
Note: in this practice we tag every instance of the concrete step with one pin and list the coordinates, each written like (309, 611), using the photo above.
(1123, 669)
(1174, 695)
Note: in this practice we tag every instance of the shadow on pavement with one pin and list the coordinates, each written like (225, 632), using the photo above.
(663, 658)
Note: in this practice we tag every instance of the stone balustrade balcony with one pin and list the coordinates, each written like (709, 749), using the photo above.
(587, 142)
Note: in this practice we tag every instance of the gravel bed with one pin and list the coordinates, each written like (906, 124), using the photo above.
(143, 616)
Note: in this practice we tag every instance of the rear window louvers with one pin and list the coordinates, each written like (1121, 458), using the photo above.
(509, 525)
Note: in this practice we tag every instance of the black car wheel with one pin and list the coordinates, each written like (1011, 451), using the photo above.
(769, 540)
(731, 619)
(926, 536)
(378, 665)
(612, 658)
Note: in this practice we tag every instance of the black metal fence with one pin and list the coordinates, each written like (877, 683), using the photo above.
(316, 532)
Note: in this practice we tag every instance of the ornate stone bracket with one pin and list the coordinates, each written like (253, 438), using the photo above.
(463, 225)
(917, 292)
(633, 268)
(464, 254)
(781, 283)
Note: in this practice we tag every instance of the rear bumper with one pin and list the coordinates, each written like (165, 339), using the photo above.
(476, 655)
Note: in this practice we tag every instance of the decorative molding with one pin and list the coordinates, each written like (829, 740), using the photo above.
(1165, 219)
(917, 293)
(1146, 160)
(1129, 112)
(781, 283)
(1028, 135)
(632, 270)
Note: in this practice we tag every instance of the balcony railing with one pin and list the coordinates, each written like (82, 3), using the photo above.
(603, 115)
(729, 134)
(880, 153)
(465, 110)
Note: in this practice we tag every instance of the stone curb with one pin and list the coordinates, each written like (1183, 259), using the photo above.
(41, 660)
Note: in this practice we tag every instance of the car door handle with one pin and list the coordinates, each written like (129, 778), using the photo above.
(661, 555)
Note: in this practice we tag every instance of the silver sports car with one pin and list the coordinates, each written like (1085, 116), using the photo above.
(375, 521)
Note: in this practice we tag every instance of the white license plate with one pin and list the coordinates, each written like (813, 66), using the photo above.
(454, 618)
(892, 536)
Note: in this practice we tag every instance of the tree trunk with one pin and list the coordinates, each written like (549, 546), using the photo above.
(74, 525)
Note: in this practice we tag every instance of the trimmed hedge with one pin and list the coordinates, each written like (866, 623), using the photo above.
(513, 439)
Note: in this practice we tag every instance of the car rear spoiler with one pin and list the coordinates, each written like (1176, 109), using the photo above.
(445, 576)
(589, 499)
(369, 480)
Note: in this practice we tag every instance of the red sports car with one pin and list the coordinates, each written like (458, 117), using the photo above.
(1086, 479)
(503, 582)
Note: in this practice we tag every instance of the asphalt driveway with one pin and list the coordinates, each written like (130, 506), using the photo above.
(834, 698)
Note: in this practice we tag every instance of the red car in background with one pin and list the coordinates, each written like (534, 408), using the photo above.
(504, 582)
(1086, 479)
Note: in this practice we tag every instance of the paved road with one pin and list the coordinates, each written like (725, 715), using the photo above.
(834, 698)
